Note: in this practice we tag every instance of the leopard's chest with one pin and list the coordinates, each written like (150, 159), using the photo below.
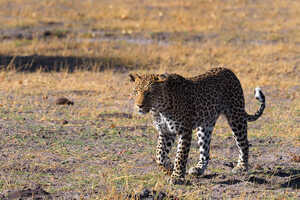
(169, 122)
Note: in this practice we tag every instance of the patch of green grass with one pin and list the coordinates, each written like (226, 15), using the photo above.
(2, 182)
(22, 43)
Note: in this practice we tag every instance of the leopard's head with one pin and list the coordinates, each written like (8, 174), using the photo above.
(149, 91)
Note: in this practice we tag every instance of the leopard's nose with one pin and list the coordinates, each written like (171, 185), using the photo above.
(139, 105)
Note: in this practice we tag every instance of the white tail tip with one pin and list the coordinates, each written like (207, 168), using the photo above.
(259, 95)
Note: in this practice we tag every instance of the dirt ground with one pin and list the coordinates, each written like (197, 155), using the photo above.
(47, 155)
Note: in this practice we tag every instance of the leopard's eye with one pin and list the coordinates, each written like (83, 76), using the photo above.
(146, 93)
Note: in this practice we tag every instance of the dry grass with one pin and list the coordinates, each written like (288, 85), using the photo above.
(166, 16)
(105, 151)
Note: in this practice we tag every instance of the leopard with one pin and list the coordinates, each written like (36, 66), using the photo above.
(180, 105)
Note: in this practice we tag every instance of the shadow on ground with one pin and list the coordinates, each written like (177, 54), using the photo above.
(294, 183)
(230, 182)
(34, 63)
(285, 173)
(37, 193)
(257, 180)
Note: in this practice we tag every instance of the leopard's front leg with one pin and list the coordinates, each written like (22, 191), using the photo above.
(183, 149)
(164, 144)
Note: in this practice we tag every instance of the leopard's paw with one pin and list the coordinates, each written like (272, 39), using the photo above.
(177, 181)
(167, 168)
(196, 171)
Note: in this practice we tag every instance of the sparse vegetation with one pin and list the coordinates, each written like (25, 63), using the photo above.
(99, 148)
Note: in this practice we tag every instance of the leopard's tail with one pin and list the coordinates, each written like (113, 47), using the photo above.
(261, 98)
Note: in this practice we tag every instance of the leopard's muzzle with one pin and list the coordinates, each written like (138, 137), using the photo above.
(142, 109)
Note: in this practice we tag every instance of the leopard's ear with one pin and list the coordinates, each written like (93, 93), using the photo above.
(162, 77)
(133, 77)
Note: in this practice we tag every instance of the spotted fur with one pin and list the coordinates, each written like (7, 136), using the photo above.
(179, 105)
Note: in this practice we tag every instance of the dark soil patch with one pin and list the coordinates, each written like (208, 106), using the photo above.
(209, 176)
(294, 183)
(230, 182)
(257, 180)
(291, 172)
(35, 194)
(147, 194)
(29, 32)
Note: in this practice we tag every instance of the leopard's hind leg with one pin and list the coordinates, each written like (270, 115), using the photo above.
(239, 126)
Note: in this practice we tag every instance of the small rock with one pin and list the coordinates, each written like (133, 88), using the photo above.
(47, 33)
(63, 101)
(37, 193)
(20, 36)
